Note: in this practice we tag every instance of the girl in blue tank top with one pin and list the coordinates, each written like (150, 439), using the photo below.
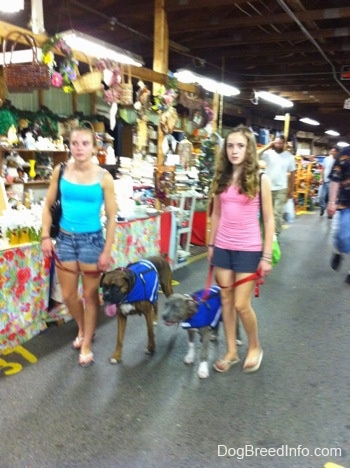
(81, 249)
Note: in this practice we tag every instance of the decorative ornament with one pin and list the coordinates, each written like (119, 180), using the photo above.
(64, 72)
(111, 80)
(167, 95)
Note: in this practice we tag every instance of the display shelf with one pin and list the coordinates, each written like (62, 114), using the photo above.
(183, 208)
(306, 185)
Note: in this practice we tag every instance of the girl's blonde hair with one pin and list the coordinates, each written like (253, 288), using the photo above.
(249, 180)
(89, 131)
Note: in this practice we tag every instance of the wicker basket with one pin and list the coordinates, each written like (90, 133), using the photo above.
(88, 83)
(24, 77)
(126, 89)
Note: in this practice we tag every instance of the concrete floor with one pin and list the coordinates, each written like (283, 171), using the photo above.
(155, 412)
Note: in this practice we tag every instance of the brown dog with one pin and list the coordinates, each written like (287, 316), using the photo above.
(134, 290)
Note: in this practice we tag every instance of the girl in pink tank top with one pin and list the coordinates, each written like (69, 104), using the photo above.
(236, 248)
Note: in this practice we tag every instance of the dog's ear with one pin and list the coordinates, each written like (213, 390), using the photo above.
(101, 280)
(191, 304)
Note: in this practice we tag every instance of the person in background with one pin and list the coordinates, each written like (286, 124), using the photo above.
(236, 249)
(80, 246)
(280, 167)
(327, 167)
(339, 198)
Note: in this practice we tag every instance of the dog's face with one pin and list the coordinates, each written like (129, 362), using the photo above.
(116, 285)
(178, 308)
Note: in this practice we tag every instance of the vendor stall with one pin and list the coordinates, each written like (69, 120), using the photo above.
(25, 279)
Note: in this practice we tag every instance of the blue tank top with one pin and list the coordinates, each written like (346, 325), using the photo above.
(81, 206)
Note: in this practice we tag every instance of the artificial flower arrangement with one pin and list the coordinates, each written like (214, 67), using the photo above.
(112, 80)
(63, 74)
(167, 94)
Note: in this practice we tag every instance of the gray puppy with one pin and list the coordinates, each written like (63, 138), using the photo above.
(200, 312)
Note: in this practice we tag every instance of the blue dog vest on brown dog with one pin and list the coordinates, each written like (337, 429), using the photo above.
(147, 283)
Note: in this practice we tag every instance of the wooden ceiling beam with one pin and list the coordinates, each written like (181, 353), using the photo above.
(253, 21)
(238, 38)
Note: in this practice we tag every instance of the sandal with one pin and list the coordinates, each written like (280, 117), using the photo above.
(86, 360)
(223, 366)
(256, 363)
(77, 343)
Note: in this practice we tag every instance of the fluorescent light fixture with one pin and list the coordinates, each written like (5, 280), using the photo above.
(282, 117)
(99, 49)
(332, 133)
(19, 56)
(280, 101)
(342, 144)
(309, 121)
(11, 6)
(186, 76)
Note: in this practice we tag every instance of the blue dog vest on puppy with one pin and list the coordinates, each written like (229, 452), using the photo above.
(209, 311)
(147, 282)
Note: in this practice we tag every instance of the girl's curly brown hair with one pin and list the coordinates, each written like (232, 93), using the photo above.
(249, 181)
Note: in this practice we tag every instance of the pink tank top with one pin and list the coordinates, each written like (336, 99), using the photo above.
(239, 227)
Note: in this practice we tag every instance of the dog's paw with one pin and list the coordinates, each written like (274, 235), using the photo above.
(114, 360)
(203, 370)
(189, 358)
(155, 323)
(149, 351)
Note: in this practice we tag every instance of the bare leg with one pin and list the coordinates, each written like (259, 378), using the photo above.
(229, 317)
(91, 309)
(247, 315)
(72, 300)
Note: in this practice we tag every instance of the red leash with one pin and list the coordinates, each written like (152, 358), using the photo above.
(254, 276)
(59, 265)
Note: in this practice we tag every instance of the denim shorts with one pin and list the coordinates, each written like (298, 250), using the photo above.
(84, 248)
(236, 260)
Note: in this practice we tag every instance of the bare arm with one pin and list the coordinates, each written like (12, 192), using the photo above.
(260, 151)
(332, 199)
(214, 222)
(49, 201)
(268, 222)
(111, 211)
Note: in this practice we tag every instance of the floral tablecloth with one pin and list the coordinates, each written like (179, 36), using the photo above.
(24, 294)
(25, 279)
(135, 240)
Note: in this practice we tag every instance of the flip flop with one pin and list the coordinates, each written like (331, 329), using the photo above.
(256, 366)
(77, 343)
(223, 366)
(86, 360)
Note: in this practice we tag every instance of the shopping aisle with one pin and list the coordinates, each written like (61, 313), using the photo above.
(155, 412)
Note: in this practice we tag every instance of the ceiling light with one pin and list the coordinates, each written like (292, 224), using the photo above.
(99, 49)
(19, 56)
(342, 144)
(11, 6)
(280, 101)
(332, 133)
(186, 76)
(282, 117)
(309, 121)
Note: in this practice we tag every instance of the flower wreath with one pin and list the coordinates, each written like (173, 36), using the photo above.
(63, 74)
(111, 80)
(167, 95)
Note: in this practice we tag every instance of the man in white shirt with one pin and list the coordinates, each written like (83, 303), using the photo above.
(327, 167)
(280, 167)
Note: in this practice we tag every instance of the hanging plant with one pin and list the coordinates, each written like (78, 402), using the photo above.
(64, 73)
